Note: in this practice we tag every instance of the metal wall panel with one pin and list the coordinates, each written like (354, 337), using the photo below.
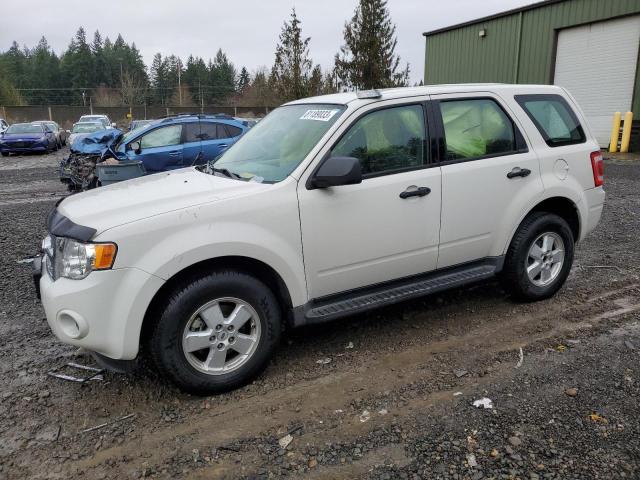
(460, 55)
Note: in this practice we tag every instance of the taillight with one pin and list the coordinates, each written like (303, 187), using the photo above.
(597, 164)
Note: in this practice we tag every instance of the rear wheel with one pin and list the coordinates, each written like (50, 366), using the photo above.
(216, 332)
(539, 258)
(5, 154)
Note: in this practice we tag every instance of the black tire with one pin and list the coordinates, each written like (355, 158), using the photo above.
(165, 339)
(514, 274)
(5, 154)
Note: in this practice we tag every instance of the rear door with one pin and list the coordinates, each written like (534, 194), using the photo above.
(489, 175)
(160, 149)
(215, 139)
(192, 145)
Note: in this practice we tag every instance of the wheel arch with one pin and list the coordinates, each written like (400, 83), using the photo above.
(262, 271)
(563, 207)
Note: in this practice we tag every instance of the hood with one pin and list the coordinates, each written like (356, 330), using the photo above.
(22, 136)
(95, 143)
(125, 202)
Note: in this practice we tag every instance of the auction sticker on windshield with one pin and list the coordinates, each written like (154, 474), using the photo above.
(321, 115)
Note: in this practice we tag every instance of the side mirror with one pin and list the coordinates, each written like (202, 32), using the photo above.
(136, 147)
(336, 171)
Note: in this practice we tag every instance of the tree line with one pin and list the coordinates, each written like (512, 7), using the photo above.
(111, 73)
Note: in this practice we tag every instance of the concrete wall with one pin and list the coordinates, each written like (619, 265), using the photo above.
(66, 116)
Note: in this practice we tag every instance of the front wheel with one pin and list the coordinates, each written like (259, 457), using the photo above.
(539, 258)
(216, 332)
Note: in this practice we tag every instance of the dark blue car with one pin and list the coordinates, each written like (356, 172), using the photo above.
(27, 137)
(179, 141)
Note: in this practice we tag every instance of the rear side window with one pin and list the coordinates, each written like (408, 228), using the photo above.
(386, 141)
(554, 119)
(476, 128)
(233, 131)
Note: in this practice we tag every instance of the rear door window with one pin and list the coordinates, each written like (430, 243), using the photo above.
(192, 132)
(554, 119)
(212, 131)
(477, 127)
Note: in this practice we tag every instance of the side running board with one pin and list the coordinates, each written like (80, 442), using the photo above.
(400, 290)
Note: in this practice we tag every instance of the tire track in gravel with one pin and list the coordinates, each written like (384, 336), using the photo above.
(417, 366)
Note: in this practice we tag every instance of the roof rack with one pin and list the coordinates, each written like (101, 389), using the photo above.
(199, 115)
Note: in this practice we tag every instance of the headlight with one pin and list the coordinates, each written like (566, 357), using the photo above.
(76, 260)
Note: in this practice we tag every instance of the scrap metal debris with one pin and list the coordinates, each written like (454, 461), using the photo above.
(93, 373)
(365, 416)
(323, 361)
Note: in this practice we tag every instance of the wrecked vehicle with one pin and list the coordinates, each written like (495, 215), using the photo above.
(331, 206)
(78, 170)
(162, 145)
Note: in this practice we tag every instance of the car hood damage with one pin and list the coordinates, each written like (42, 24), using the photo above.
(151, 195)
(79, 169)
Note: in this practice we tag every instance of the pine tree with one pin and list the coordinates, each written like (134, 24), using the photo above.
(244, 80)
(291, 70)
(223, 77)
(367, 59)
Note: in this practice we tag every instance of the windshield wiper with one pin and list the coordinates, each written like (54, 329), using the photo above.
(225, 172)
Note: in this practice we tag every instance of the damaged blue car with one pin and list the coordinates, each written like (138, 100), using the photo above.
(166, 144)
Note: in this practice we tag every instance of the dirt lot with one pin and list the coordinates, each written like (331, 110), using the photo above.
(393, 401)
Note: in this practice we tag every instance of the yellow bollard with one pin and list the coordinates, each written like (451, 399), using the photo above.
(615, 132)
(626, 132)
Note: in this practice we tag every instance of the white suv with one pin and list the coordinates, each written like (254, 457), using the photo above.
(329, 206)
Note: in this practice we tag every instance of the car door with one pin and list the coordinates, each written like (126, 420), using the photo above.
(359, 235)
(215, 139)
(192, 145)
(159, 149)
(489, 176)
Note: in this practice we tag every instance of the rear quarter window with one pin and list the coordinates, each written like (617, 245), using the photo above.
(554, 118)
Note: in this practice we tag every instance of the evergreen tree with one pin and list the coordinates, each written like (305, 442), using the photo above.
(244, 80)
(223, 77)
(367, 59)
(77, 66)
(290, 73)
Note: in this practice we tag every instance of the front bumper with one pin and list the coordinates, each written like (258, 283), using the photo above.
(102, 312)
(13, 149)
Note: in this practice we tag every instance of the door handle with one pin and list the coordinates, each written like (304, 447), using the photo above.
(518, 172)
(174, 154)
(223, 145)
(418, 192)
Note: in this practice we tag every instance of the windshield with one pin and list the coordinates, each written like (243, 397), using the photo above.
(25, 128)
(276, 145)
(87, 127)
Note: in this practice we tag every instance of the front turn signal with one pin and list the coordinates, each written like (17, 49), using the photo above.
(105, 255)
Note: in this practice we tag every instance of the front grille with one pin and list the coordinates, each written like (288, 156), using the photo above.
(22, 144)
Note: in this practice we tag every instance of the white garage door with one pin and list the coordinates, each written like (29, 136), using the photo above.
(597, 64)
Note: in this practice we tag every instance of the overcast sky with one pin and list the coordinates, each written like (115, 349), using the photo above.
(247, 30)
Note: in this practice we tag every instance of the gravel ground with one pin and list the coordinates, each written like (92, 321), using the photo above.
(393, 401)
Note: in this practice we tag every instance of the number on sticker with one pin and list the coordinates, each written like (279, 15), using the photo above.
(321, 115)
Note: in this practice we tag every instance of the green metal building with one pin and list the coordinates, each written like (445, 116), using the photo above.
(589, 47)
